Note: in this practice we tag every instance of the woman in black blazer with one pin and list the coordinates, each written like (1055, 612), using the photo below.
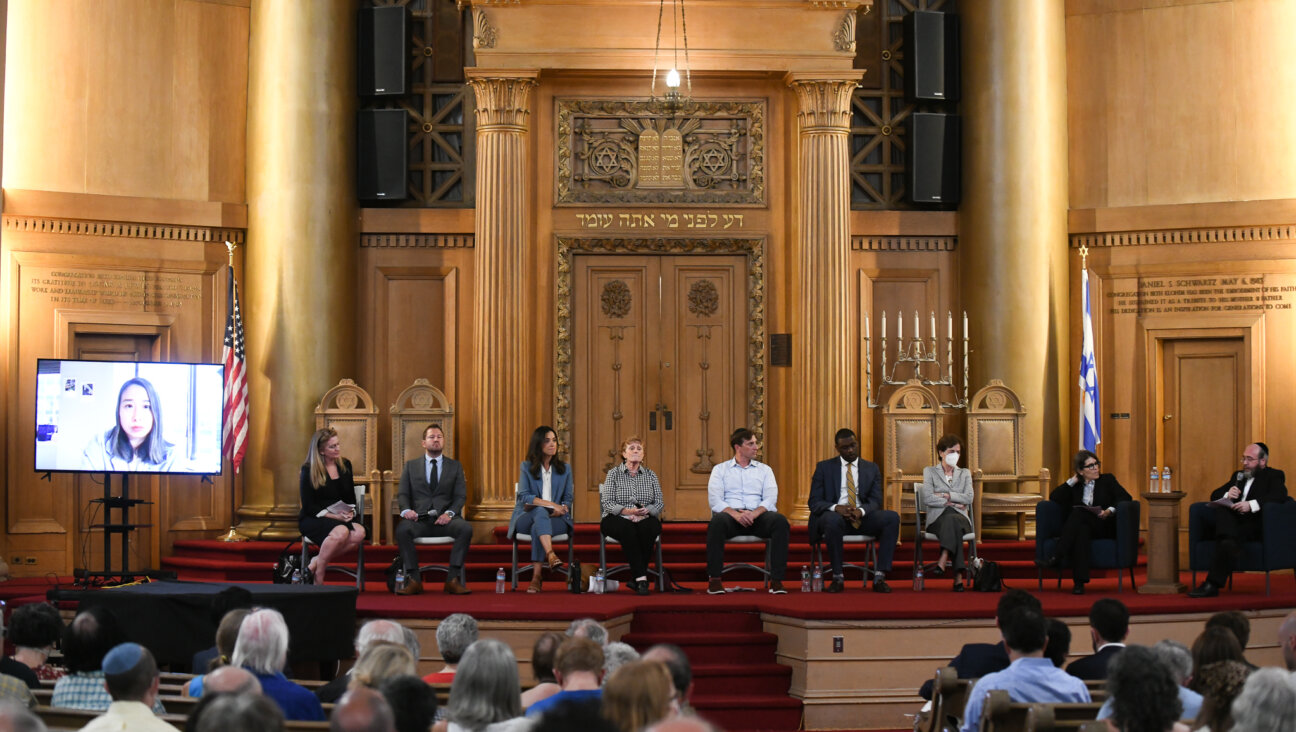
(1091, 496)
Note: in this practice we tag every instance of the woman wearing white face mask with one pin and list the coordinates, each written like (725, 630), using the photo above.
(947, 494)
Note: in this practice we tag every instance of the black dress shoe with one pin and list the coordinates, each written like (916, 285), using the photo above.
(1050, 562)
(937, 571)
(835, 586)
(1205, 589)
(881, 586)
(958, 584)
(1078, 589)
(641, 587)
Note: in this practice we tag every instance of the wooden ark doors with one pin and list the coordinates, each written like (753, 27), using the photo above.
(659, 352)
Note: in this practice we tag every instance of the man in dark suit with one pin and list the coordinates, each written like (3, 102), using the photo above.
(1108, 626)
(975, 660)
(1091, 496)
(1238, 519)
(846, 493)
(431, 496)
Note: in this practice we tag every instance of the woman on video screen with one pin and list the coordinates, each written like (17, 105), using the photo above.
(135, 443)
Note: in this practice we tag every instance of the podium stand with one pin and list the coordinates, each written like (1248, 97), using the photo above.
(1163, 544)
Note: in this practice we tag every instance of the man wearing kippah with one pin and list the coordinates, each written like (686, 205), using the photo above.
(131, 676)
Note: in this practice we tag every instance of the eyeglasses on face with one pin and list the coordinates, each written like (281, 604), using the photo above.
(1091, 466)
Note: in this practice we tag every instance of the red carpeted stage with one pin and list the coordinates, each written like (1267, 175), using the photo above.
(780, 662)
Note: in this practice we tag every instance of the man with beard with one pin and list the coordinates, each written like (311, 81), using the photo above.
(1237, 519)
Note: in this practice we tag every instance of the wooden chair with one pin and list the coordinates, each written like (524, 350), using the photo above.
(949, 697)
(420, 405)
(995, 421)
(1002, 714)
(914, 421)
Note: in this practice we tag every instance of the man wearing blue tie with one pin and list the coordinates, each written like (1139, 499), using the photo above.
(846, 492)
(431, 498)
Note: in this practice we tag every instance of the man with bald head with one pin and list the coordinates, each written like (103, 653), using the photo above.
(1233, 516)
(231, 680)
(362, 710)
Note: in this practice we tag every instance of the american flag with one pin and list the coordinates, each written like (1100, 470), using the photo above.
(236, 398)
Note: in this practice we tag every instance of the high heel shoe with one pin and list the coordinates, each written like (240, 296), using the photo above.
(958, 582)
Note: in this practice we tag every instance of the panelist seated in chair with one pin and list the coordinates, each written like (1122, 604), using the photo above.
(743, 496)
(1092, 496)
(947, 495)
(631, 499)
(544, 502)
(431, 498)
(846, 498)
(326, 482)
(1234, 515)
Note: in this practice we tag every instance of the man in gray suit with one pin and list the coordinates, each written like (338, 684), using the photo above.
(431, 496)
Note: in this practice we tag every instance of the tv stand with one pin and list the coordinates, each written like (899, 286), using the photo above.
(122, 527)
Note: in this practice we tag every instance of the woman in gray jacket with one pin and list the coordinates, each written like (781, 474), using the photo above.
(947, 496)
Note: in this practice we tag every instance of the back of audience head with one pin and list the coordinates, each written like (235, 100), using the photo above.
(1145, 695)
(616, 655)
(15, 717)
(227, 636)
(36, 625)
(262, 645)
(576, 656)
(1013, 599)
(637, 695)
(413, 702)
(130, 673)
(88, 638)
(1025, 631)
(1287, 639)
(1214, 645)
(230, 598)
(382, 661)
(378, 630)
(363, 709)
(1235, 622)
(1176, 657)
(231, 680)
(677, 663)
(542, 655)
(574, 716)
(454, 635)
(1267, 702)
(485, 688)
(1059, 642)
(243, 712)
(588, 628)
(411, 641)
(1109, 621)
(1219, 684)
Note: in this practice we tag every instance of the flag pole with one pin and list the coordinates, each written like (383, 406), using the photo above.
(232, 534)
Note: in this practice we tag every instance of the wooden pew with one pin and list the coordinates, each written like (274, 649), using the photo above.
(1002, 714)
(949, 697)
(62, 718)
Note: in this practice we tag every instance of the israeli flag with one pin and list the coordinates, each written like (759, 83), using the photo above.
(1090, 425)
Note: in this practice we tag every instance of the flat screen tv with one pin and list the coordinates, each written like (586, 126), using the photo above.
(128, 417)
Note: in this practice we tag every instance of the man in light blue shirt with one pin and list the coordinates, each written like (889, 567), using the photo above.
(743, 496)
(1030, 677)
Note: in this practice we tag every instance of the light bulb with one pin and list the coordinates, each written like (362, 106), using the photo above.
(672, 79)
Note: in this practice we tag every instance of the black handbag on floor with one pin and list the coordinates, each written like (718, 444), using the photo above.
(988, 578)
(288, 562)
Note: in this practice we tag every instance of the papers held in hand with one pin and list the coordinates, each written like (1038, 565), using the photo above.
(341, 508)
(1224, 501)
(1091, 509)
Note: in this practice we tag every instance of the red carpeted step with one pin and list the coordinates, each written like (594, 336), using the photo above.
(764, 679)
(692, 621)
(750, 712)
(717, 647)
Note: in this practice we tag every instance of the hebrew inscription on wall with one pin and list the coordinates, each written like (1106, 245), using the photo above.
(1202, 295)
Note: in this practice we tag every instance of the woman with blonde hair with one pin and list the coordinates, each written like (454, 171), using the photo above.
(637, 695)
(226, 636)
(326, 481)
(380, 661)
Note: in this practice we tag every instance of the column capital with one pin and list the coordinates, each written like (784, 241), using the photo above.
(503, 96)
(823, 99)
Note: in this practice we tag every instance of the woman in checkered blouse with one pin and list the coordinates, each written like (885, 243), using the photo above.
(631, 500)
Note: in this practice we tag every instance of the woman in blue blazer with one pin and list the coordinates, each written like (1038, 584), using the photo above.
(544, 502)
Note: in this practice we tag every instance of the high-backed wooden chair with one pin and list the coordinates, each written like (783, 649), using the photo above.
(913, 423)
(995, 421)
(418, 406)
(350, 410)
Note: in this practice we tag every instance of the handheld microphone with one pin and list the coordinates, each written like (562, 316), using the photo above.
(1238, 476)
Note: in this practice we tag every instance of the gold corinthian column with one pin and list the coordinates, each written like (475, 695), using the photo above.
(824, 344)
(502, 235)
(1013, 218)
(301, 241)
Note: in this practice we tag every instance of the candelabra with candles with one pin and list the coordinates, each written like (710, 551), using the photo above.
(922, 354)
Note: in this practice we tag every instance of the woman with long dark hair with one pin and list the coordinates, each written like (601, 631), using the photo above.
(544, 502)
(135, 443)
(326, 480)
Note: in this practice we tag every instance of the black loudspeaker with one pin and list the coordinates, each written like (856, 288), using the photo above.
(931, 56)
(932, 159)
(382, 50)
(381, 157)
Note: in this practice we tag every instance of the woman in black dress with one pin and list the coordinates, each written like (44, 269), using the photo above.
(325, 480)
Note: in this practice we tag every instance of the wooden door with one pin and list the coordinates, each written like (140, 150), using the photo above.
(658, 352)
(1205, 410)
(88, 553)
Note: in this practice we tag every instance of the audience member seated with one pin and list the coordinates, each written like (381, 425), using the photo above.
(975, 660)
(230, 598)
(569, 717)
(1237, 624)
(262, 648)
(681, 671)
(453, 636)
(226, 636)
(616, 655)
(13, 689)
(131, 677)
(1142, 693)
(1212, 646)
(1108, 626)
(1219, 684)
(382, 661)
(485, 695)
(1267, 702)
(242, 712)
(34, 630)
(1029, 677)
(412, 701)
(231, 680)
(1058, 646)
(1176, 657)
(578, 667)
(15, 717)
(743, 496)
(1287, 640)
(639, 694)
(362, 709)
(588, 628)
(86, 640)
(375, 630)
(542, 658)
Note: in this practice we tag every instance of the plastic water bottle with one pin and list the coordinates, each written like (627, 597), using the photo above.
(499, 581)
(918, 578)
(296, 576)
(805, 578)
(598, 582)
(1154, 483)
(400, 579)
(1165, 479)
(818, 580)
